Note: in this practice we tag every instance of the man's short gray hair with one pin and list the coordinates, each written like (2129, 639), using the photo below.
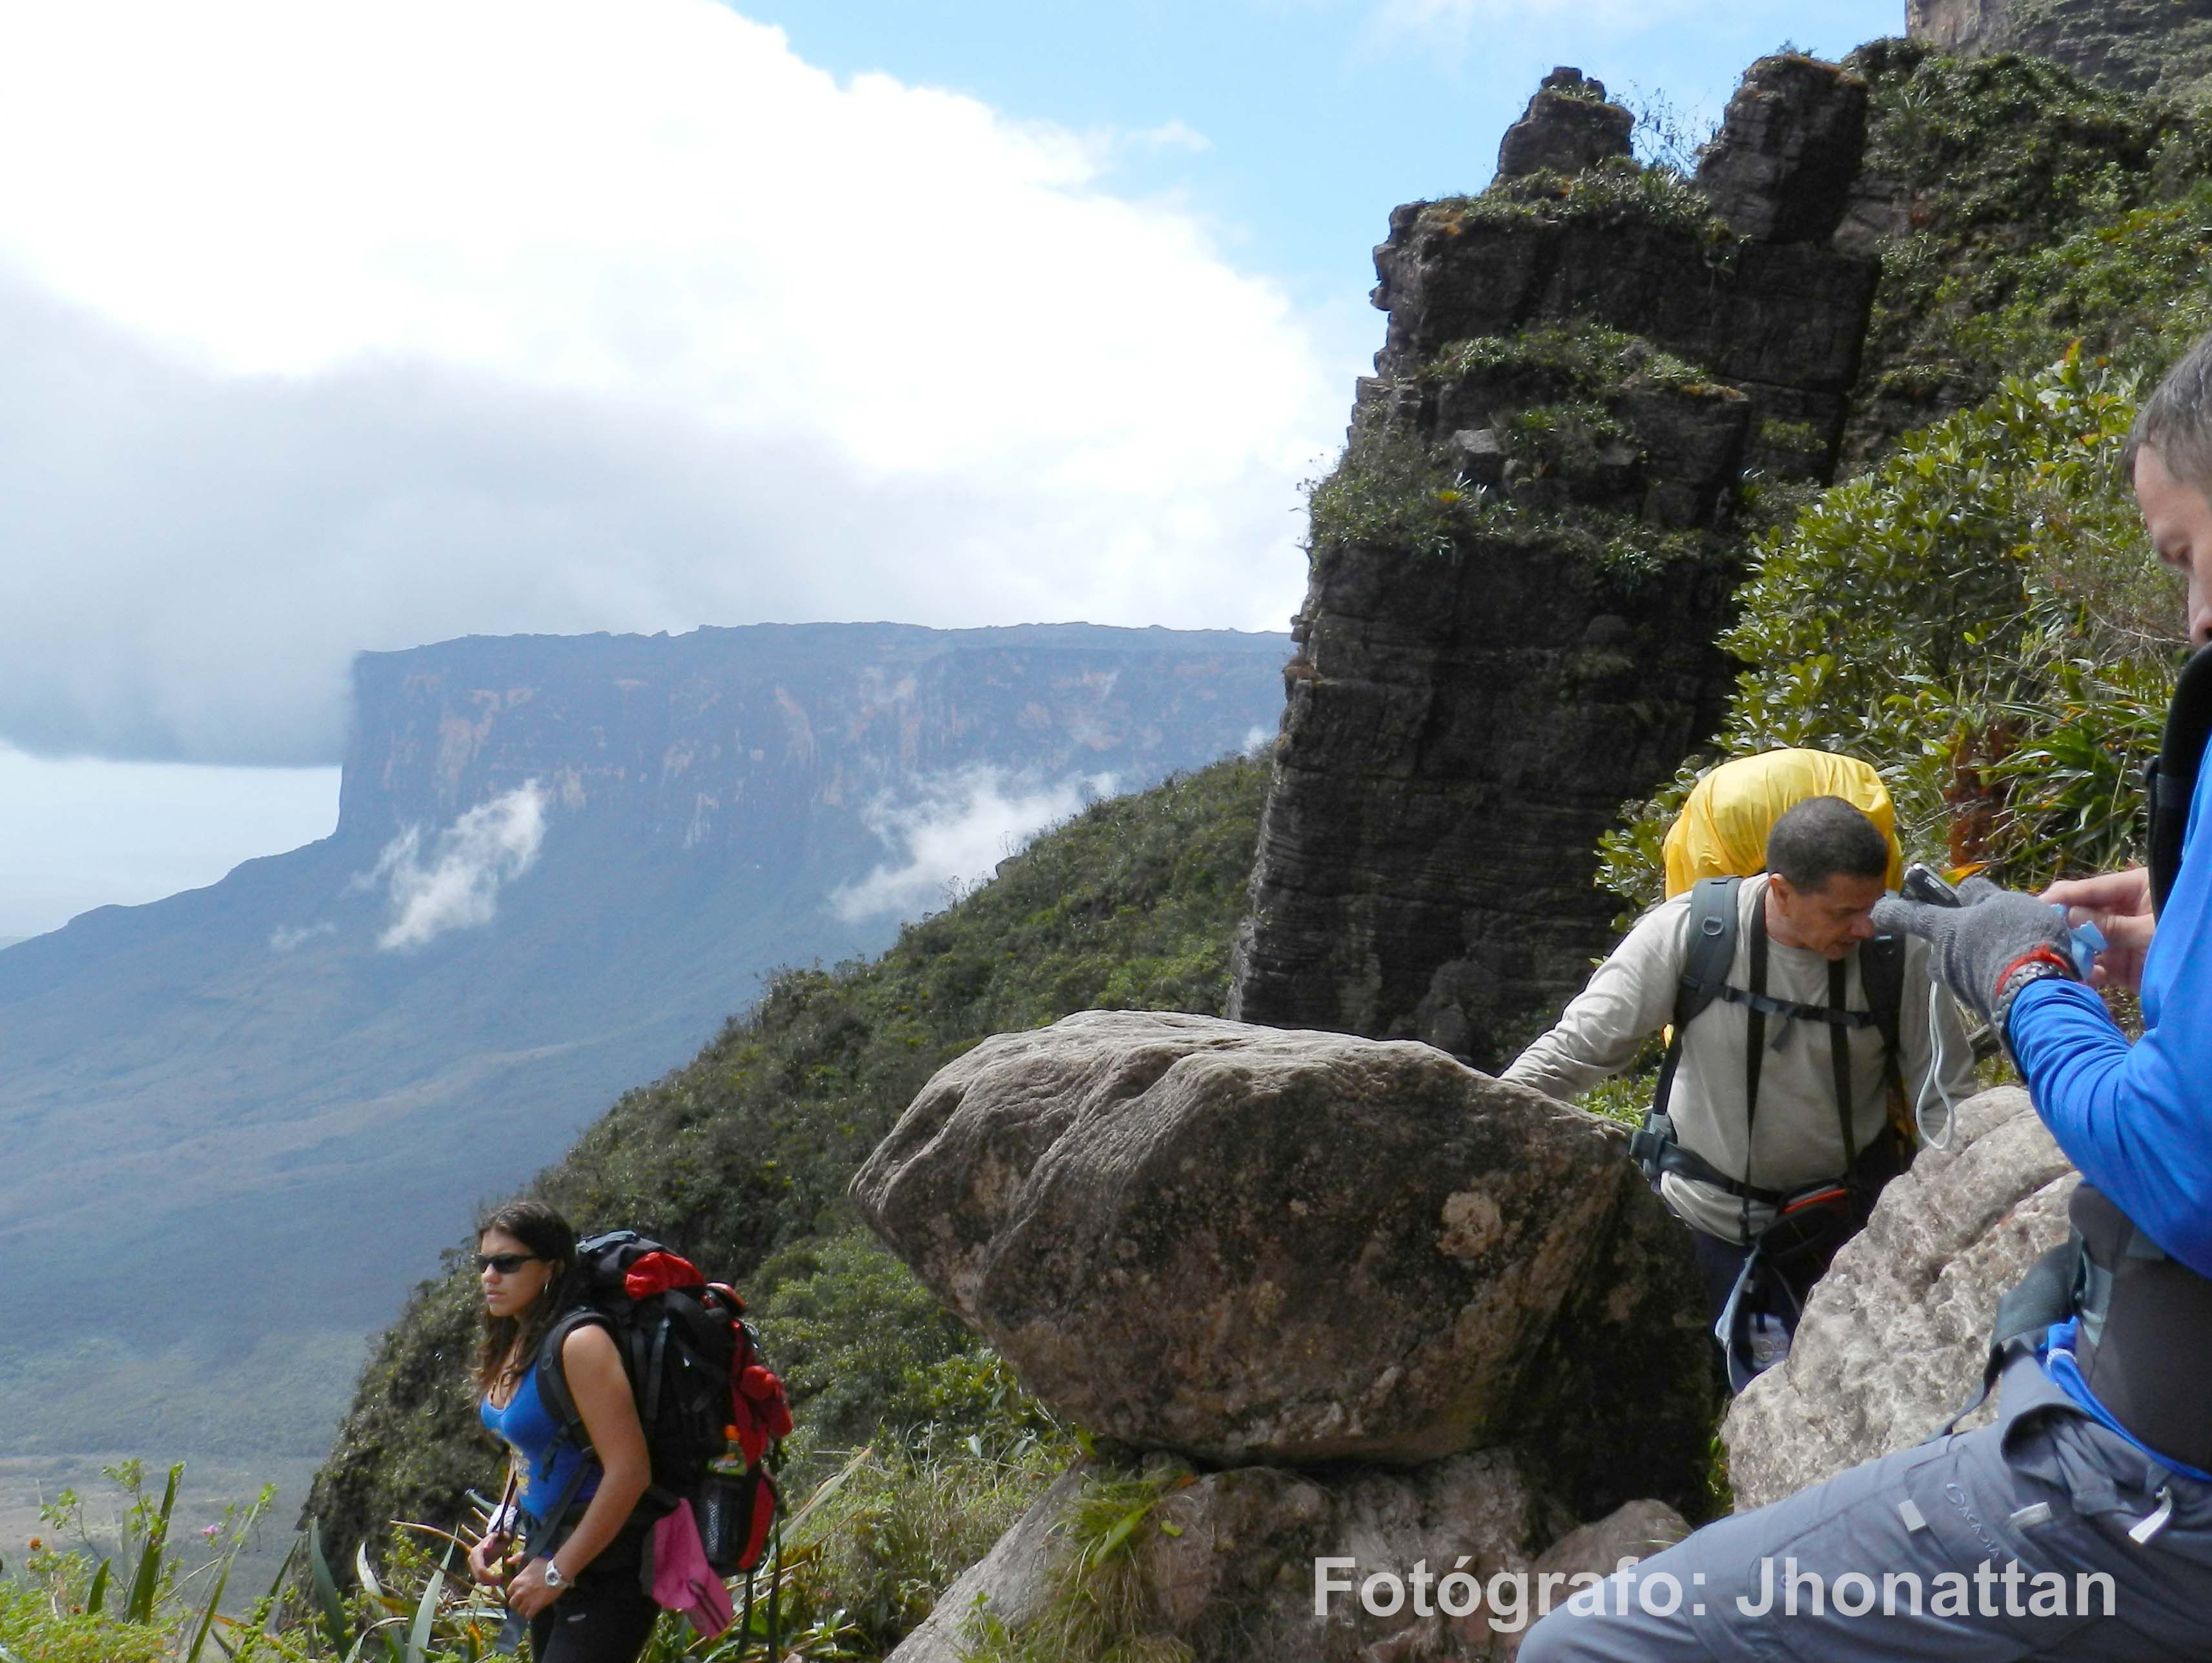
(1814, 840)
(2176, 421)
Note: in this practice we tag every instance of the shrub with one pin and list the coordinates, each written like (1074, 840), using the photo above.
(1979, 618)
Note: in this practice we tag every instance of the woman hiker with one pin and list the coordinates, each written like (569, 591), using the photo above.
(579, 1586)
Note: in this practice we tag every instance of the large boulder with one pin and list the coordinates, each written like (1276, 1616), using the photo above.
(1248, 1244)
(1895, 1336)
(1228, 1564)
(1569, 126)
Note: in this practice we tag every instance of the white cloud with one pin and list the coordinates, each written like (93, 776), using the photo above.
(458, 886)
(962, 827)
(1173, 135)
(1256, 739)
(286, 937)
(324, 328)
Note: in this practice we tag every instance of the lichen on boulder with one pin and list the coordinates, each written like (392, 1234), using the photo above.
(1246, 1245)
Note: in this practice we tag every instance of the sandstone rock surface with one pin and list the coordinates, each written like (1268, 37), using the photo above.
(1248, 1245)
(1894, 1338)
(2162, 46)
(1464, 718)
(1782, 167)
(1226, 1562)
(1569, 126)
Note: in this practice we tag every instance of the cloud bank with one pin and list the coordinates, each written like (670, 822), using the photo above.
(961, 826)
(457, 887)
(324, 330)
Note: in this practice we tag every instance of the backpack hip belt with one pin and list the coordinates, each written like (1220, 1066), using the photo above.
(2143, 1335)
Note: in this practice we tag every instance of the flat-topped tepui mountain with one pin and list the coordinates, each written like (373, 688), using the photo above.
(257, 1110)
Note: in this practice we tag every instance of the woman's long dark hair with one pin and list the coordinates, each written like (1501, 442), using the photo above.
(510, 1343)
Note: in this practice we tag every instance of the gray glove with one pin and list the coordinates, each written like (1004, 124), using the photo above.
(1989, 947)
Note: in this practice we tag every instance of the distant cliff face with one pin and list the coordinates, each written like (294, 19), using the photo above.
(561, 864)
(2161, 46)
(1518, 572)
(738, 739)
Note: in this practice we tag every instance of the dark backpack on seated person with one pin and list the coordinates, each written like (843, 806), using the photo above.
(714, 1415)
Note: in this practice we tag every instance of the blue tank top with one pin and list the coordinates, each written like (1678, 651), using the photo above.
(543, 1456)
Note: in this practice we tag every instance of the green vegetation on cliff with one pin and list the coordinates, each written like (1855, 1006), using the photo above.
(1978, 613)
(2032, 207)
(741, 1157)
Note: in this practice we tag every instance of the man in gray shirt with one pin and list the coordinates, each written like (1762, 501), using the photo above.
(1794, 924)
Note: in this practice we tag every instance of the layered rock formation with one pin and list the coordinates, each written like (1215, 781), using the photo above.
(1569, 126)
(1520, 566)
(1393, 1310)
(2139, 46)
(1894, 1338)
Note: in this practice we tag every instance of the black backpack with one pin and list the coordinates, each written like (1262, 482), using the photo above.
(707, 1405)
(2170, 779)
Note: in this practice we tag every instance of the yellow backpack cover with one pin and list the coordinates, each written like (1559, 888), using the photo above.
(1721, 829)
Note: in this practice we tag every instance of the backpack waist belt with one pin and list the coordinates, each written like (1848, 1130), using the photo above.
(1654, 1149)
(2144, 1340)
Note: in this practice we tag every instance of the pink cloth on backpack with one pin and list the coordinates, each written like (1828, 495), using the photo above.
(682, 1580)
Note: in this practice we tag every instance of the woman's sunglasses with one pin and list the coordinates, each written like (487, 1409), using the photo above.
(507, 1264)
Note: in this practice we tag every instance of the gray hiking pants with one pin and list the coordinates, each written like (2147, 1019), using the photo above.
(2002, 1532)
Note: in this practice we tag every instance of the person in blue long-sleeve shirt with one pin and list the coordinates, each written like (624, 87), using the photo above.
(2079, 1525)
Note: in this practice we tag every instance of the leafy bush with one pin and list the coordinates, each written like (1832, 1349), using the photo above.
(2036, 209)
(1980, 618)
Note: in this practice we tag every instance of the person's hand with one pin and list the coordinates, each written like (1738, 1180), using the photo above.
(2119, 904)
(1990, 946)
(527, 1594)
(484, 1560)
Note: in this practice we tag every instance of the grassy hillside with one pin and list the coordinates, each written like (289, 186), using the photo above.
(741, 1157)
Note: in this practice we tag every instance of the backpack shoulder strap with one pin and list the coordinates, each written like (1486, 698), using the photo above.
(1707, 954)
(2171, 781)
(1708, 950)
(1881, 970)
(553, 1378)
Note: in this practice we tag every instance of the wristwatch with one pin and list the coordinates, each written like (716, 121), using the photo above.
(553, 1579)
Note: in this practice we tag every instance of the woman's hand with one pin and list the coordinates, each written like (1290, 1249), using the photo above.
(527, 1594)
(2119, 904)
(484, 1560)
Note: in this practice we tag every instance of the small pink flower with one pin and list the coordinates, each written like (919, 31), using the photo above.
(210, 1531)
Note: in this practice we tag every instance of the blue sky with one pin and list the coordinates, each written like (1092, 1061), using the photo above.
(453, 317)
(1317, 116)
